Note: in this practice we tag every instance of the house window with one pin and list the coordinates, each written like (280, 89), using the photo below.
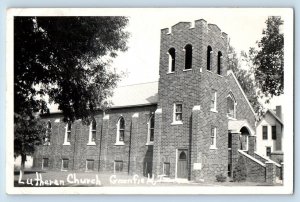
(89, 165)
(220, 57)
(118, 166)
(208, 60)
(150, 137)
(65, 164)
(213, 101)
(172, 55)
(120, 131)
(213, 138)
(45, 163)
(68, 134)
(188, 56)
(265, 132)
(177, 113)
(274, 133)
(231, 106)
(48, 133)
(268, 151)
(92, 133)
(166, 169)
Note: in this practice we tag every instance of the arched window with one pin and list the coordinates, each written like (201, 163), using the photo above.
(68, 134)
(220, 61)
(150, 137)
(231, 106)
(92, 133)
(48, 133)
(188, 56)
(208, 60)
(120, 131)
(172, 55)
(182, 156)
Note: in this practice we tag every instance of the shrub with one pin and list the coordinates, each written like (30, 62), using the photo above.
(240, 171)
(221, 178)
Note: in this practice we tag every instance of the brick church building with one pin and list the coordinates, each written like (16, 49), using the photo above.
(193, 124)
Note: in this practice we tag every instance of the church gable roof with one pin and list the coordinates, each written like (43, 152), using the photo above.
(135, 95)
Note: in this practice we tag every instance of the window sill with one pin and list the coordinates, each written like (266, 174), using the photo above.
(213, 110)
(64, 170)
(150, 143)
(66, 143)
(177, 123)
(47, 144)
(213, 147)
(91, 143)
(209, 71)
(186, 70)
(170, 72)
(220, 75)
(119, 144)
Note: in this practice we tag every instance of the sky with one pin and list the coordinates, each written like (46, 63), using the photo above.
(141, 61)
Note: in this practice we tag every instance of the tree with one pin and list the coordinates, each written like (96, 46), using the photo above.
(268, 60)
(244, 77)
(66, 61)
(28, 131)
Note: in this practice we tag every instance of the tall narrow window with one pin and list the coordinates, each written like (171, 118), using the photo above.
(68, 134)
(213, 138)
(172, 55)
(92, 133)
(177, 113)
(213, 101)
(265, 132)
(231, 106)
(220, 61)
(150, 137)
(208, 60)
(274, 133)
(188, 56)
(120, 131)
(48, 133)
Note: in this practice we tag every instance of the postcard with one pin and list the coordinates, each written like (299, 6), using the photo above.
(149, 101)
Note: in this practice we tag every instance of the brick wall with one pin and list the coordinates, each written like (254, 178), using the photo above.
(192, 88)
(134, 153)
(255, 171)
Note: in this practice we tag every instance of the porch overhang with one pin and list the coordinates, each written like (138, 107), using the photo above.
(235, 126)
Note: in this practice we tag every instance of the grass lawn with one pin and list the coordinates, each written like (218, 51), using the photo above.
(96, 179)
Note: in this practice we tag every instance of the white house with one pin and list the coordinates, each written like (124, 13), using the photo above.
(269, 134)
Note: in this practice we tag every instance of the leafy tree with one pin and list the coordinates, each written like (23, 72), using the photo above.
(66, 61)
(268, 60)
(28, 131)
(244, 77)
